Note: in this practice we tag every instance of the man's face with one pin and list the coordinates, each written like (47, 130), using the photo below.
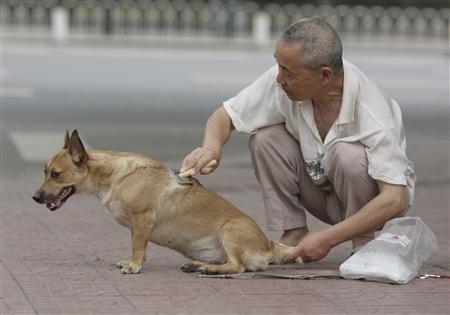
(297, 81)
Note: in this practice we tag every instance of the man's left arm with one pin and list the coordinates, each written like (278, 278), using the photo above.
(388, 204)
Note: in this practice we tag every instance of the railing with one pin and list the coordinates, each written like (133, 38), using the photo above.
(233, 19)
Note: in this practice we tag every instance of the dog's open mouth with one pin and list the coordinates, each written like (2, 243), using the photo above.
(61, 198)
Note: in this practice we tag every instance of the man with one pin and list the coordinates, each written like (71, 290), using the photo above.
(324, 140)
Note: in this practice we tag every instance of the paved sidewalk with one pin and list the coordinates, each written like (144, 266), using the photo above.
(62, 262)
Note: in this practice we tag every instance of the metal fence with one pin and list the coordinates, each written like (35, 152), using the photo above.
(234, 19)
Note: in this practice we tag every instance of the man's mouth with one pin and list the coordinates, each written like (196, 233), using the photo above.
(61, 198)
(286, 90)
(288, 93)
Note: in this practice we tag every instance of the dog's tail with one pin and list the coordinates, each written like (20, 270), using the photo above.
(279, 251)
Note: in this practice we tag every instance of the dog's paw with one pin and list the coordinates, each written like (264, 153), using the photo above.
(190, 267)
(127, 267)
(207, 271)
(122, 263)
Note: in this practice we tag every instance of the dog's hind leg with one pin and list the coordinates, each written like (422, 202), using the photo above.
(228, 267)
(233, 265)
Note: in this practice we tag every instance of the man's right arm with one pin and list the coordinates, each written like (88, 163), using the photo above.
(217, 132)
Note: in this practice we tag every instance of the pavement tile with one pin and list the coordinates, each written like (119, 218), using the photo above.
(19, 310)
(397, 310)
(16, 304)
(158, 304)
(358, 286)
(244, 301)
(388, 299)
(212, 310)
(297, 310)
(227, 288)
(13, 299)
(264, 287)
(95, 303)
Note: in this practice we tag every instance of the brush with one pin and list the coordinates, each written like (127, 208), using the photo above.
(184, 178)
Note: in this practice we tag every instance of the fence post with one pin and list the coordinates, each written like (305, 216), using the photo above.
(107, 23)
(60, 24)
(261, 28)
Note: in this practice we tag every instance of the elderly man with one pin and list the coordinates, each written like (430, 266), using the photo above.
(324, 140)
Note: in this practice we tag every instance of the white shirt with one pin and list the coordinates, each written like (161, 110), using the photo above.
(366, 116)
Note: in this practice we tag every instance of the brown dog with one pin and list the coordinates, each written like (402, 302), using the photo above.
(145, 196)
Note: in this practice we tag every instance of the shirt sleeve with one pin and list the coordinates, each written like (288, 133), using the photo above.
(258, 105)
(386, 146)
(387, 157)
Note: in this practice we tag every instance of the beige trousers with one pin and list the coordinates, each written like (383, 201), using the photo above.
(289, 192)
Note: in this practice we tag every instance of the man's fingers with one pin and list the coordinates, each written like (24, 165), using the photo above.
(206, 163)
(200, 159)
(190, 161)
(207, 170)
(187, 164)
(291, 256)
(288, 259)
(209, 167)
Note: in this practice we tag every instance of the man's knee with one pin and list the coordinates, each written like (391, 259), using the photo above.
(271, 138)
(347, 158)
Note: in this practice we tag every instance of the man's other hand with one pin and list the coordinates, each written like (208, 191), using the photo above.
(314, 246)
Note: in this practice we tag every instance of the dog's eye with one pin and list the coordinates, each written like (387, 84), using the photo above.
(55, 174)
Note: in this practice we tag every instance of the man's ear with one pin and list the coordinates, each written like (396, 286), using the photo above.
(66, 140)
(327, 73)
(76, 149)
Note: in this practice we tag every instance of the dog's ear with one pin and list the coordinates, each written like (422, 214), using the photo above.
(66, 140)
(76, 149)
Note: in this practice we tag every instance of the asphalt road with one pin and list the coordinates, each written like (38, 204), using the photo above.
(156, 100)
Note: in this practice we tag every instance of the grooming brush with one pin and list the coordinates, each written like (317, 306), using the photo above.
(185, 178)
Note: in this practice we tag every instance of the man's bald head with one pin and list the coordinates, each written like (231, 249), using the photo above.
(319, 42)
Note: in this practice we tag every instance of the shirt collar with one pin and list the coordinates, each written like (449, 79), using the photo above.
(349, 95)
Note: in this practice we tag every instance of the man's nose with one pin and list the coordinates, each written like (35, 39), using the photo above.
(38, 196)
(280, 79)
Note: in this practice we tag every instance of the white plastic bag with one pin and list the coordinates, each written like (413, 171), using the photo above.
(396, 255)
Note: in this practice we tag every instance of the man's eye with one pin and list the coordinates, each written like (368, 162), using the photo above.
(55, 174)
(288, 75)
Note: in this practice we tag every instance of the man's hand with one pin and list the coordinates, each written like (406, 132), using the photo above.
(314, 246)
(218, 130)
(197, 161)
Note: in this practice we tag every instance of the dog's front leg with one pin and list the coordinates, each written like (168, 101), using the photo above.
(139, 239)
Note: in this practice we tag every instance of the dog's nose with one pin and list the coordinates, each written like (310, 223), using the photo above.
(38, 197)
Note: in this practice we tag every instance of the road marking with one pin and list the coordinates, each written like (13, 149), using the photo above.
(37, 146)
(9, 91)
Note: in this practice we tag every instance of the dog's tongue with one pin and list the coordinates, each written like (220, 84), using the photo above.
(54, 205)
(60, 199)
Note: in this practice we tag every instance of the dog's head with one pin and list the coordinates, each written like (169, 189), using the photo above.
(63, 173)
